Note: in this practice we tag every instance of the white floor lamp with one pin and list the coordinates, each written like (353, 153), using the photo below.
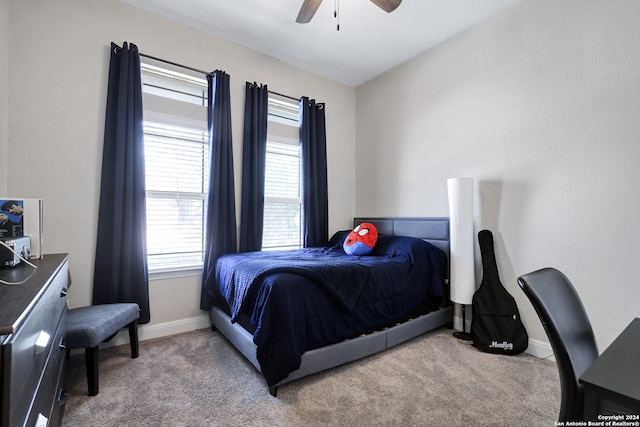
(462, 274)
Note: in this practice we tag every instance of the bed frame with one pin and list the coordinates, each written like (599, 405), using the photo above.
(432, 230)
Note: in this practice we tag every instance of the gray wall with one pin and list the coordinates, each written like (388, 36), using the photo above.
(4, 94)
(541, 105)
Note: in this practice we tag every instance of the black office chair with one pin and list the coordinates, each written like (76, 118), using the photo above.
(569, 331)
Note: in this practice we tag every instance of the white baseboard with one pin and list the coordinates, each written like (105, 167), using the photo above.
(159, 330)
(540, 349)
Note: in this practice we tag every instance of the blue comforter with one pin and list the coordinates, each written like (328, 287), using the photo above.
(341, 278)
(306, 299)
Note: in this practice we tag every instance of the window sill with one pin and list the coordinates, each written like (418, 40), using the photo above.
(161, 274)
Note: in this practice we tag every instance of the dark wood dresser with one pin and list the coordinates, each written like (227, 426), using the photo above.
(32, 356)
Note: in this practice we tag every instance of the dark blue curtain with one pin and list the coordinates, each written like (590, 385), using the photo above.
(314, 173)
(121, 273)
(254, 154)
(221, 209)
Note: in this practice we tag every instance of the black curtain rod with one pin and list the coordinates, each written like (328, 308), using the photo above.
(276, 93)
(285, 96)
(206, 73)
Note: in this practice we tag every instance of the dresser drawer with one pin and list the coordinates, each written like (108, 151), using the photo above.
(51, 385)
(31, 346)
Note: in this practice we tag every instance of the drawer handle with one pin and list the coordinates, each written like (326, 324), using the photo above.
(63, 293)
(62, 397)
(42, 342)
(42, 421)
(62, 345)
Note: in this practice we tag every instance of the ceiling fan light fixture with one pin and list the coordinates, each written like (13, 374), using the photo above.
(309, 8)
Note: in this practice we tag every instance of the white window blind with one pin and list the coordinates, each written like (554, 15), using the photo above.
(283, 111)
(177, 167)
(283, 192)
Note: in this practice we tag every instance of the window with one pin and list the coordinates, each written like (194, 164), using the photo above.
(283, 184)
(177, 170)
(177, 167)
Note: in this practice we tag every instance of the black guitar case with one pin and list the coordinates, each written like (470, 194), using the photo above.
(496, 326)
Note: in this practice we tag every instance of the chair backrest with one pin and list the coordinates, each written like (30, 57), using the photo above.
(569, 331)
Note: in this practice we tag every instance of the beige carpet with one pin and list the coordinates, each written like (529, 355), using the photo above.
(198, 379)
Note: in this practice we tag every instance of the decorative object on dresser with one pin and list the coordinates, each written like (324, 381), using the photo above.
(22, 217)
(87, 327)
(32, 362)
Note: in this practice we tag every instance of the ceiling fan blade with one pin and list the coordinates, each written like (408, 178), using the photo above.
(307, 11)
(387, 5)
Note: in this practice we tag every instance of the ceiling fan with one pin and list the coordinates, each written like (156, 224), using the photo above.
(309, 8)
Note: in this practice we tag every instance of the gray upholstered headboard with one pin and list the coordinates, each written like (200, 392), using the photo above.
(434, 230)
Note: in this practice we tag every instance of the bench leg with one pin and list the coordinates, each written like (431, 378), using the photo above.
(91, 360)
(133, 338)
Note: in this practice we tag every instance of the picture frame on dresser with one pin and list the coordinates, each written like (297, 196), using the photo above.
(26, 220)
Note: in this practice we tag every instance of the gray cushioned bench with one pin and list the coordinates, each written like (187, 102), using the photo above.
(87, 327)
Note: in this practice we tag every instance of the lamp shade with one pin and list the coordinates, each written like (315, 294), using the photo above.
(462, 272)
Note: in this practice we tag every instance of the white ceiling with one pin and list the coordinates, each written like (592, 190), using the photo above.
(369, 42)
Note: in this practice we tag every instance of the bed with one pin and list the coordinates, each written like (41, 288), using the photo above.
(289, 325)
